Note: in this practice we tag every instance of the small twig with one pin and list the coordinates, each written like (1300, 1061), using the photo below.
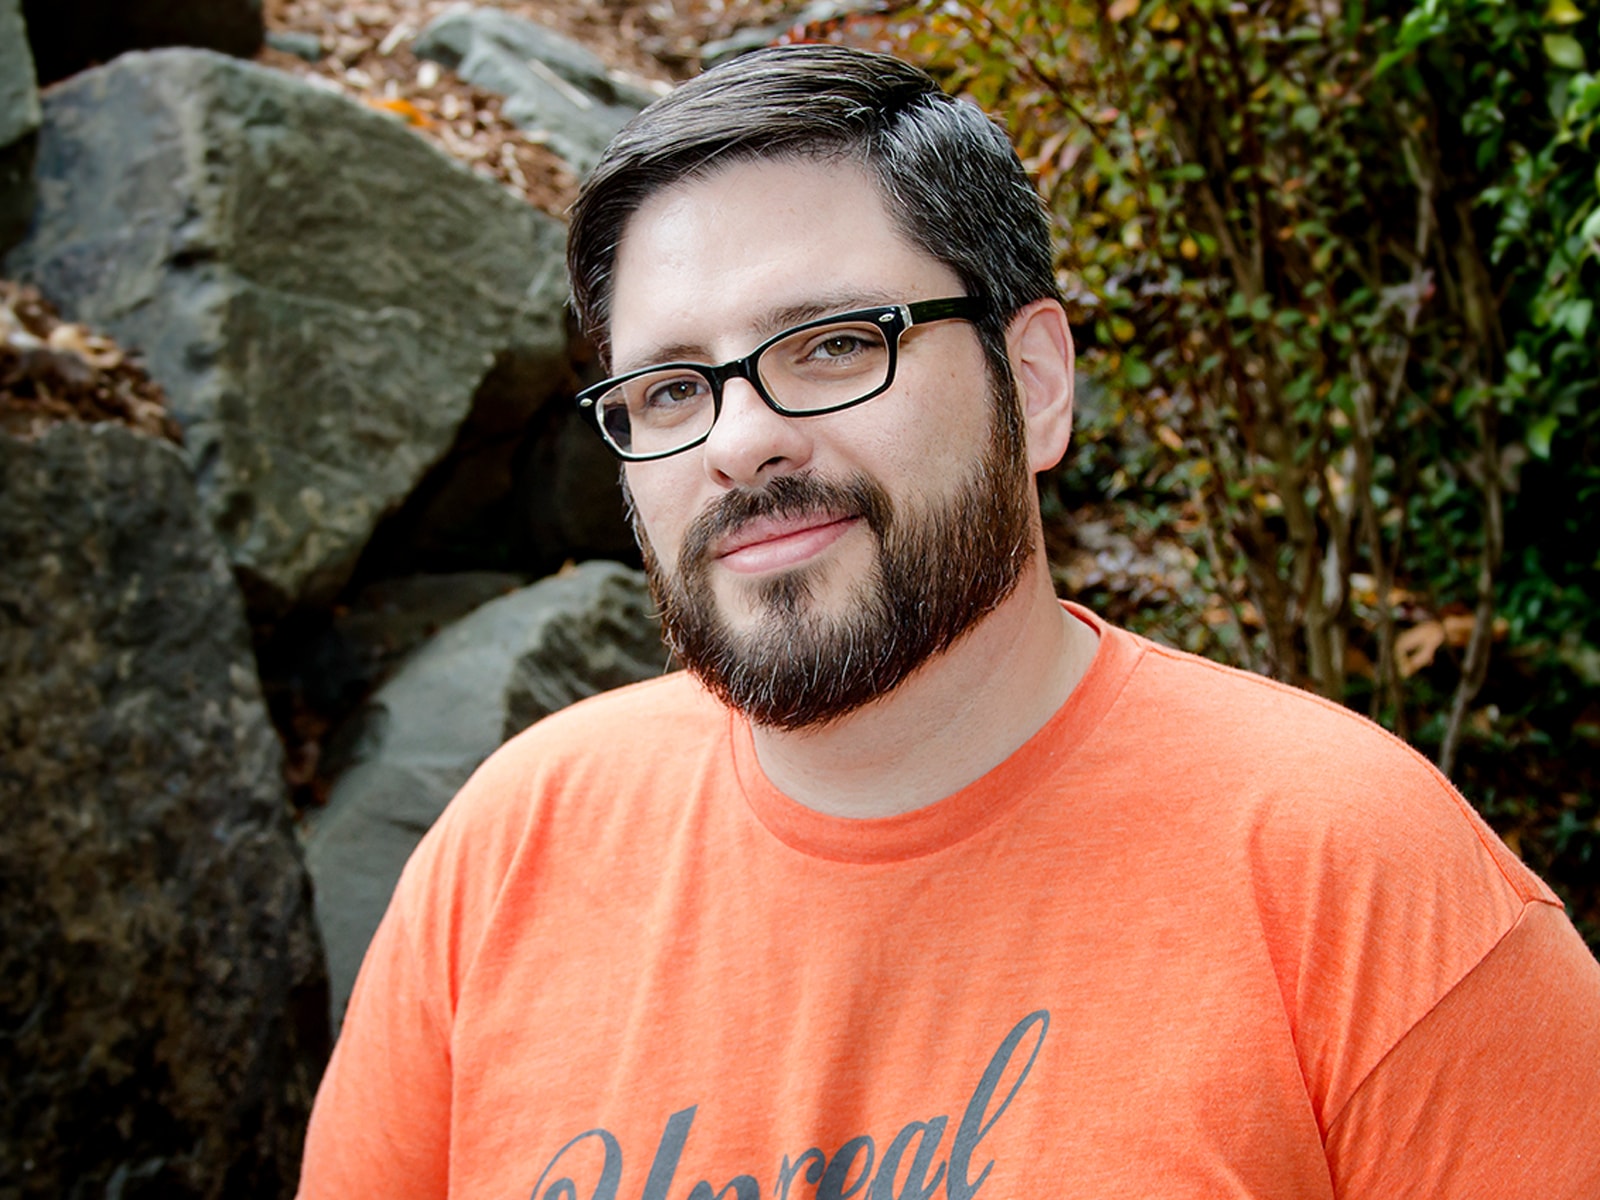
(1475, 667)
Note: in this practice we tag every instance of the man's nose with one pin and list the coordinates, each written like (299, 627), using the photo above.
(750, 442)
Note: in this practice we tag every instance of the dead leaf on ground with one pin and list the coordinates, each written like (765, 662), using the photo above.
(1415, 648)
(53, 371)
(368, 58)
(402, 108)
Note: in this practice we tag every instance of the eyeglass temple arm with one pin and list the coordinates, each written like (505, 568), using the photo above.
(964, 308)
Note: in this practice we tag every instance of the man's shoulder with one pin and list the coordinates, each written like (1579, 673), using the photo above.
(625, 757)
(674, 702)
(1261, 723)
(1189, 711)
(638, 733)
(1304, 783)
(1293, 775)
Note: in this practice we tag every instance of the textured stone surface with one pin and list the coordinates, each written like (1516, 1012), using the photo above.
(19, 96)
(569, 496)
(162, 990)
(19, 118)
(16, 190)
(524, 502)
(368, 637)
(69, 35)
(551, 85)
(307, 46)
(446, 710)
(323, 296)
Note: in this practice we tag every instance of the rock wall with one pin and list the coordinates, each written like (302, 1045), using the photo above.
(162, 989)
(364, 347)
(553, 86)
(321, 294)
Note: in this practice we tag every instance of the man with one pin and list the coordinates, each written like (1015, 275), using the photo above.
(919, 883)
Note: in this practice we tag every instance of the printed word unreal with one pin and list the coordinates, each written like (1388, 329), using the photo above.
(909, 1168)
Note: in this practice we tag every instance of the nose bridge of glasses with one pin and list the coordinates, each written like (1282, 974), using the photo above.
(745, 368)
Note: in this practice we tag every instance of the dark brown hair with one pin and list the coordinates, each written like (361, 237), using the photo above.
(948, 175)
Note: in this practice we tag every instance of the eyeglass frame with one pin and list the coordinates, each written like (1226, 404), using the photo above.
(894, 319)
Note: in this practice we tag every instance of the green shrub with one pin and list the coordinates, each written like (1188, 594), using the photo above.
(1334, 270)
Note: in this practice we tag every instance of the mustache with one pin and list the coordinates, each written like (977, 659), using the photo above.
(784, 496)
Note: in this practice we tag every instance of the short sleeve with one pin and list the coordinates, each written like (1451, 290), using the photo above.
(1492, 1094)
(381, 1124)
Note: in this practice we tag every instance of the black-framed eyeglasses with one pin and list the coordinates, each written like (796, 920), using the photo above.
(815, 368)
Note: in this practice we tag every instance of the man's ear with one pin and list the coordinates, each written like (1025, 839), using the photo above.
(1040, 347)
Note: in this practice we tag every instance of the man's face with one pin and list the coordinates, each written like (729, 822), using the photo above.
(806, 566)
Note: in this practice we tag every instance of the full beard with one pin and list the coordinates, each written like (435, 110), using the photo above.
(937, 573)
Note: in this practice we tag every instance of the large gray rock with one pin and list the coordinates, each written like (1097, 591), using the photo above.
(19, 118)
(569, 495)
(368, 637)
(19, 94)
(322, 294)
(449, 706)
(69, 35)
(162, 990)
(552, 86)
(526, 503)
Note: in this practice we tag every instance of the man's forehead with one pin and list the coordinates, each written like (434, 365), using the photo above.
(753, 248)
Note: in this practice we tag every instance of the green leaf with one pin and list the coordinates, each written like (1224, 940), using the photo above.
(1564, 51)
(1591, 227)
(1574, 316)
(1563, 12)
(1389, 60)
(1306, 118)
(1540, 434)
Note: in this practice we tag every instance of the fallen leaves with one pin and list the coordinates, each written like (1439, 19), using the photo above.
(366, 55)
(402, 108)
(1416, 647)
(53, 371)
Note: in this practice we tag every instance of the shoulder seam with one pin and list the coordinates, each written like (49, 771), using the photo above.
(1440, 781)
(1505, 933)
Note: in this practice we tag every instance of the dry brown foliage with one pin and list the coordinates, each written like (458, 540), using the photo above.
(53, 370)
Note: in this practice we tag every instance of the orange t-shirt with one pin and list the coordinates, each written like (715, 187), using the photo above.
(1202, 936)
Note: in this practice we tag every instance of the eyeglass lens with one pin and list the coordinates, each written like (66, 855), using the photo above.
(816, 368)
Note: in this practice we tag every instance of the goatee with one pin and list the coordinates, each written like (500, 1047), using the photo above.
(938, 571)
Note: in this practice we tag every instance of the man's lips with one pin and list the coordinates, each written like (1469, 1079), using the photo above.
(773, 543)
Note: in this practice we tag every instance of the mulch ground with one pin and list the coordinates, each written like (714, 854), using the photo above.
(368, 56)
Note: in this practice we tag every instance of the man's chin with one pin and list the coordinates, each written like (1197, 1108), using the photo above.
(784, 595)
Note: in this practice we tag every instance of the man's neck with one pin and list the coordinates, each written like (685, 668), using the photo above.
(955, 719)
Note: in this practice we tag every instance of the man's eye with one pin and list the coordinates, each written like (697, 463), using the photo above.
(839, 345)
(674, 392)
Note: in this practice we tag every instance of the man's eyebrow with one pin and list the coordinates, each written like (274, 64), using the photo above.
(779, 319)
(773, 321)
